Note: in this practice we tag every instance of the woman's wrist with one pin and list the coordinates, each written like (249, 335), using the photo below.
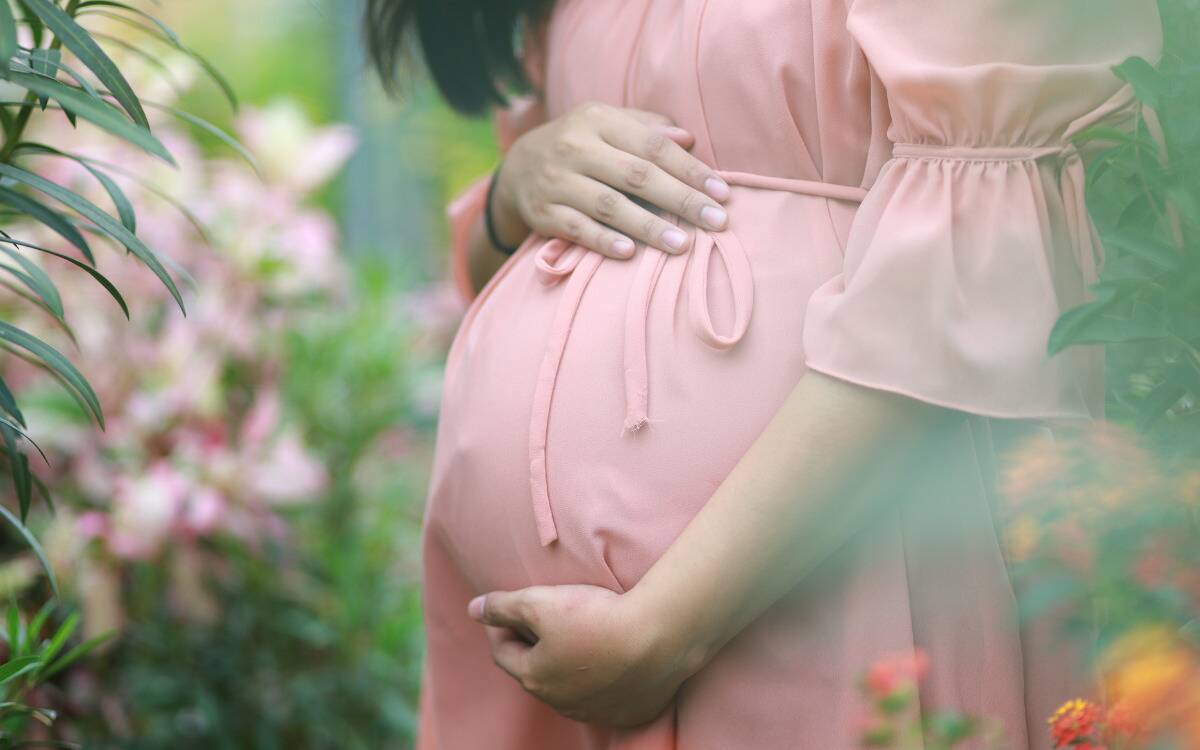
(507, 227)
(667, 633)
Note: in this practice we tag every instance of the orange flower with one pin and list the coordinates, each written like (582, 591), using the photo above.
(1074, 724)
(1154, 678)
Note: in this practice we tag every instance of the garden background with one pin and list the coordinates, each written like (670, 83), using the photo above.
(250, 608)
(236, 551)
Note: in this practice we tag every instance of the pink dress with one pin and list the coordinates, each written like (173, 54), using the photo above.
(907, 214)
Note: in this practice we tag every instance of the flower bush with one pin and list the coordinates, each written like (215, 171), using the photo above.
(196, 443)
(244, 523)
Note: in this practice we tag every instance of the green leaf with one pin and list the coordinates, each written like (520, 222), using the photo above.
(1145, 245)
(33, 544)
(8, 34)
(36, 279)
(99, 277)
(57, 362)
(51, 218)
(164, 34)
(158, 191)
(12, 620)
(39, 619)
(75, 38)
(105, 222)
(18, 466)
(45, 62)
(75, 655)
(17, 428)
(1066, 329)
(1108, 133)
(8, 402)
(65, 631)
(212, 129)
(122, 203)
(150, 59)
(1149, 84)
(21, 665)
(95, 111)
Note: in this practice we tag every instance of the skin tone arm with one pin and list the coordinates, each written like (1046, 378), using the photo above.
(581, 177)
(788, 505)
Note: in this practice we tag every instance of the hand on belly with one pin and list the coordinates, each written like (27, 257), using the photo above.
(588, 652)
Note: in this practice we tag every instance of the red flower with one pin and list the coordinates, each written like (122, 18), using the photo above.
(1074, 725)
(893, 673)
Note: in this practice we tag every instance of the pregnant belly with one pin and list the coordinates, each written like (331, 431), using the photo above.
(614, 498)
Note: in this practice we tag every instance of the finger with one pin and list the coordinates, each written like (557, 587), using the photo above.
(573, 224)
(507, 609)
(632, 174)
(657, 148)
(605, 204)
(509, 652)
(653, 119)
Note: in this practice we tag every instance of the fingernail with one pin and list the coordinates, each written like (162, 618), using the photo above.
(674, 238)
(475, 608)
(676, 132)
(623, 246)
(714, 217)
(717, 188)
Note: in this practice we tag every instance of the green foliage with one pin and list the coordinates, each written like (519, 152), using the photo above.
(31, 660)
(1144, 197)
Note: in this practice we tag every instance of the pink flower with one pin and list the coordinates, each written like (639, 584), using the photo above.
(205, 510)
(145, 509)
(92, 524)
(288, 473)
(290, 149)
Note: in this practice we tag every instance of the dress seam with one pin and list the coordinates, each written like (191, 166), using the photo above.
(712, 147)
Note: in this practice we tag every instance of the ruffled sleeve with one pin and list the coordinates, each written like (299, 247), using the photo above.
(523, 113)
(974, 237)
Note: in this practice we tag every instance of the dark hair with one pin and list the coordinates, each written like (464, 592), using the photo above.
(469, 46)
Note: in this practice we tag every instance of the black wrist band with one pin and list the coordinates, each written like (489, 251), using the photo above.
(489, 223)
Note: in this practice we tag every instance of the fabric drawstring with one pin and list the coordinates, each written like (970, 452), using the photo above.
(557, 260)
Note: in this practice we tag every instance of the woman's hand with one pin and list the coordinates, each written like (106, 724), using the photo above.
(573, 177)
(590, 653)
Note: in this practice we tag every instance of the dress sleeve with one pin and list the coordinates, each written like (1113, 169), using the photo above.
(523, 113)
(974, 237)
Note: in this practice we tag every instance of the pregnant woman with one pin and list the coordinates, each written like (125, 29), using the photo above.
(723, 429)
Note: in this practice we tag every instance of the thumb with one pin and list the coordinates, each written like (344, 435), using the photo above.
(505, 609)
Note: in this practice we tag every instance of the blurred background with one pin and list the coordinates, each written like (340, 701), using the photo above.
(244, 529)
(235, 554)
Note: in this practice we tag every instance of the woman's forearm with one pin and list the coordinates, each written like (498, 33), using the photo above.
(786, 507)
